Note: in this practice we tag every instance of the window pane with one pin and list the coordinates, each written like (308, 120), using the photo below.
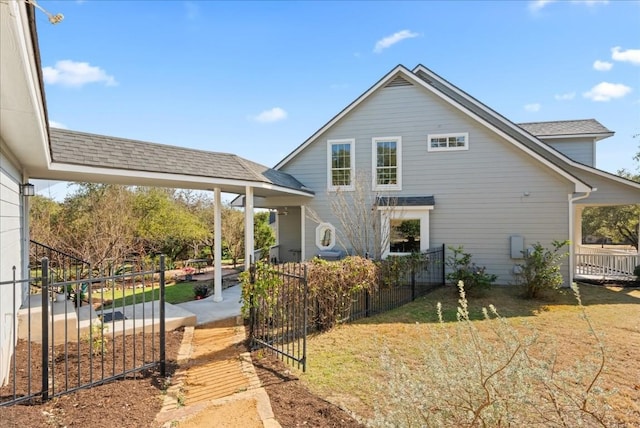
(387, 162)
(341, 164)
(405, 236)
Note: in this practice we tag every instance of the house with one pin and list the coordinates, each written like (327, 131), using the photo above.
(30, 149)
(458, 173)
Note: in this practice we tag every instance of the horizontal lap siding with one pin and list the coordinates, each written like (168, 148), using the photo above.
(479, 193)
(10, 255)
(577, 149)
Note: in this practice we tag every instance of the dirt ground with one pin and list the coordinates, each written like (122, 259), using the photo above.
(135, 402)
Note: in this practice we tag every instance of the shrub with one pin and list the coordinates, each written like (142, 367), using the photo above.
(463, 269)
(200, 291)
(393, 268)
(636, 272)
(541, 269)
(499, 377)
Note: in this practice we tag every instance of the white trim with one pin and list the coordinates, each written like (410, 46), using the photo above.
(248, 228)
(217, 246)
(321, 230)
(407, 213)
(158, 178)
(374, 164)
(352, 159)
(303, 233)
(447, 136)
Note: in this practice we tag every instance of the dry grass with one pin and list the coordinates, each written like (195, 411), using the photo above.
(344, 365)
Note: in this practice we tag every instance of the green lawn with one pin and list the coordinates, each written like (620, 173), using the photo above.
(178, 292)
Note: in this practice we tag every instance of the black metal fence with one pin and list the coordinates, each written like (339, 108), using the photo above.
(84, 329)
(282, 311)
(279, 310)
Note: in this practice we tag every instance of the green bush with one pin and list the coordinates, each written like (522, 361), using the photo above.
(541, 269)
(463, 269)
(200, 291)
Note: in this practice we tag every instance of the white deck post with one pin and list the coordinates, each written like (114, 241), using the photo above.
(248, 227)
(217, 246)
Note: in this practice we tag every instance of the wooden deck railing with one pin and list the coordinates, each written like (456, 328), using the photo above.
(606, 264)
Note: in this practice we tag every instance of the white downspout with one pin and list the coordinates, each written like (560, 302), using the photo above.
(572, 248)
(248, 228)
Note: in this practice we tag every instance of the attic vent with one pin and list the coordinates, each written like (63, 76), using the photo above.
(399, 81)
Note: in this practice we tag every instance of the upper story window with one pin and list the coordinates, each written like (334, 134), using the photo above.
(341, 164)
(448, 142)
(387, 163)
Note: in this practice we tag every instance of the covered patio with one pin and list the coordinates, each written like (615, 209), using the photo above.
(79, 156)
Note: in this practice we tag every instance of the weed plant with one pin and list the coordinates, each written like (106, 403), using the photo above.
(507, 378)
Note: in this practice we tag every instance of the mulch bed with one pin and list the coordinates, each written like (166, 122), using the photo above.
(132, 401)
(292, 403)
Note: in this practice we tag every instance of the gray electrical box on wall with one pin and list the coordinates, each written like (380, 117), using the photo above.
(517, 246)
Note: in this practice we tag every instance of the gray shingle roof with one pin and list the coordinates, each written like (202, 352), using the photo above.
(565, 127)
(80, 148)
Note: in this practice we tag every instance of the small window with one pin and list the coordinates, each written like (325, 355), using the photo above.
(387, 163)
(447, 142)
(340, 164)
(325, 236)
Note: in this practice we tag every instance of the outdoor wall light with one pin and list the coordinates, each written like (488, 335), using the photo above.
(27, 189)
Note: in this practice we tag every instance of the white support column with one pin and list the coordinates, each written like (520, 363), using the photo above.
(248, 227)
(303, 235)
(217, 245)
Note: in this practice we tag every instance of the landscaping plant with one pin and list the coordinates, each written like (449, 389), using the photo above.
(505, 378)
(541, 269)
(463, 269)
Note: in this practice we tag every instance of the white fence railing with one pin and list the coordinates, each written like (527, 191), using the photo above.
(606, 264)
(622, 250)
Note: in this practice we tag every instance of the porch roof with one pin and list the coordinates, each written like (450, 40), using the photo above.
(83, 156)
(567, 129)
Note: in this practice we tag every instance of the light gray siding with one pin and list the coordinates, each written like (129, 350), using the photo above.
(10, 255)
(579, 149)
(609, 192)
(289, 230)
(479, 193)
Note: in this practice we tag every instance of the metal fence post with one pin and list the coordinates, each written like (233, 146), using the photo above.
(444, 265)
(45, 328)
(163, 360)
(305, 320)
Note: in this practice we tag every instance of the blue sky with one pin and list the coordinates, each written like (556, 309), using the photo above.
(258, 78)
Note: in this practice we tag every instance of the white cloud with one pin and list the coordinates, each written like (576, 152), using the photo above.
(72, 73)
(630, 55)
(565, 97)
(537, 5)
(273, 115)
(533, 107)
(391, 40)
(605, 91)
(602, 65)
(54, 124)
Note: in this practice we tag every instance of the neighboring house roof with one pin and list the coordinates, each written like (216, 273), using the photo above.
(567, 129)
(406, 201)
(99, 151)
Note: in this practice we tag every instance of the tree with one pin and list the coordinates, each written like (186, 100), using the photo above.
(263, 234)
(96, 224)
(359, 213)
(164, 225)
(43, 223)
(233, 232)
(620, 223)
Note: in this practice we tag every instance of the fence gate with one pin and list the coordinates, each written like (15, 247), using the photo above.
(78, 328)
(278, 311)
